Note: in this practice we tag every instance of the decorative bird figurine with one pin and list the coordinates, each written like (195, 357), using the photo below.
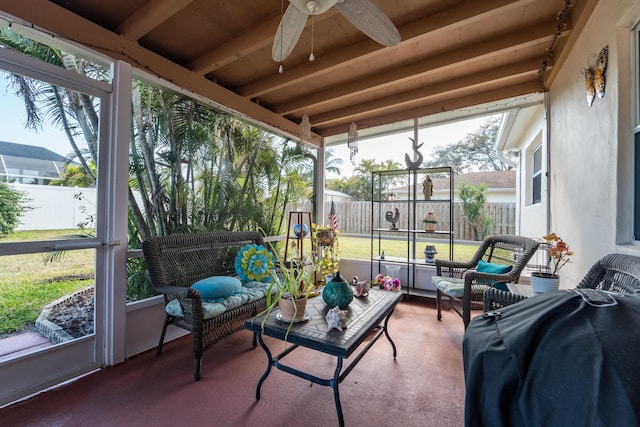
(414, 164)
(393, 219)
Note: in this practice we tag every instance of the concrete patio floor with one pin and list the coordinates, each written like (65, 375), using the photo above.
(423, 387)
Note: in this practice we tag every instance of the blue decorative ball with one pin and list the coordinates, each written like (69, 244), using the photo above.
(298, 228)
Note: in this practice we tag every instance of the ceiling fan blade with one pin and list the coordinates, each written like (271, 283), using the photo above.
(288, 33)
(370, 20)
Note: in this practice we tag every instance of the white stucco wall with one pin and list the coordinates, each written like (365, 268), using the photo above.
(533, 217)
(590, 146)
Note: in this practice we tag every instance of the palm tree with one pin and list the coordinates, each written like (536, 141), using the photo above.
(332, 164)
(191, 166)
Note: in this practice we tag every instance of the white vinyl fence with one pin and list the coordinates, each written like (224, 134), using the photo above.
(355, 217)
(53, 207)
(56, 208)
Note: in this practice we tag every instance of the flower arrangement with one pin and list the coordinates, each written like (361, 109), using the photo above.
(559, 253)
(387, 283)
(326, 238)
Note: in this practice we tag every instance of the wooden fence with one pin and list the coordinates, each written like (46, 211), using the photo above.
(355, 217)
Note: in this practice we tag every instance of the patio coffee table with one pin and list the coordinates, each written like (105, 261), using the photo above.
(365, 315)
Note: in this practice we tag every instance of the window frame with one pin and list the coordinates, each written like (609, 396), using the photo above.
(635, 131)
(536, 174)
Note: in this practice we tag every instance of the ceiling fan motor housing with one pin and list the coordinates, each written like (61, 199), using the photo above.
(313, 7)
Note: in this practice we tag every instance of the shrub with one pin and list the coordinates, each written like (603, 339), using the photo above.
(12, 206)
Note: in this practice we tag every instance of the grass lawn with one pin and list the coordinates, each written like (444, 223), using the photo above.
(27, 283)
(360, 248)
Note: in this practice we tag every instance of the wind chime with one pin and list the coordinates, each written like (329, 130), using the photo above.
(352, 142)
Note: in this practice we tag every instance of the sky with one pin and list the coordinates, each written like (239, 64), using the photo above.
(394, 147)
(14, 118)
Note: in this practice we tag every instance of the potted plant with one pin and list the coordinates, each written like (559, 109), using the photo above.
(547, 278)
(327, 261)
(291, 284)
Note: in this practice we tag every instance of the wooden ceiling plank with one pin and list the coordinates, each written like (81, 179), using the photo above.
(533, 35)
(475, 80)
(149, 16)
(467, 101)
(459, 15)
(55, 19)
(244, 44)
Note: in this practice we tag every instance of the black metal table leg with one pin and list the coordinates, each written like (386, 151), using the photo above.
(269, 364)
(336, 394)
(386, 332)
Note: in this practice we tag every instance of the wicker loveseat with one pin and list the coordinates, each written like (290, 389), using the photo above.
(175, 262)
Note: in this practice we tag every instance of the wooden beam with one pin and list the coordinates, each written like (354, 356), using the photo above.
(149, 16)
(55, 19)
(578, 16)
(533, 35)
(467, 101)
(427, 26)
(243, 45)
(411, 98)
(240, 46)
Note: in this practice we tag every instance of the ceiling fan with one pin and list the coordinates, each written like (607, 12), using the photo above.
(361, 13)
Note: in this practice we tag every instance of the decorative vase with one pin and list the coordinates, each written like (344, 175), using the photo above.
(429, 222)
(292, 309)
(338, 292)
(544, 282)
(392, 270)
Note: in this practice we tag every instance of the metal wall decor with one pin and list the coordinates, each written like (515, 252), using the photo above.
(594, 76)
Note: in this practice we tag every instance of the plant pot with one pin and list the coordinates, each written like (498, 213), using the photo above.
(292, 309)
(544, 282)
(325, 237)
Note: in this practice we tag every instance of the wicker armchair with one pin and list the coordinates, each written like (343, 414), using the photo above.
(177, 261)
(461, 288)
(613, 272)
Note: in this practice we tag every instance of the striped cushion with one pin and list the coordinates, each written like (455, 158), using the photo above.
(214, 307)
(449, 285)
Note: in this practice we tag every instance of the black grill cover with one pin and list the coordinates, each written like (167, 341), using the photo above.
(566, 358)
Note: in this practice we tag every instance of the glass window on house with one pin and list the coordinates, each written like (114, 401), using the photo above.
(536, 176)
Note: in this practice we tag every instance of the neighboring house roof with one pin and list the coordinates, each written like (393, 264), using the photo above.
(492, 179)
(29, 152)
(332, 193)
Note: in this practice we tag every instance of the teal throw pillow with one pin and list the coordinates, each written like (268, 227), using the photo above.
(217, 286)
(491, 268)
(254, 263)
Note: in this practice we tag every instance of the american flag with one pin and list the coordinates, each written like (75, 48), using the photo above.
(333, 219)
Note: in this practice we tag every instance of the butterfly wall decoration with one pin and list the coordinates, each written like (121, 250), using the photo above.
(594, 76)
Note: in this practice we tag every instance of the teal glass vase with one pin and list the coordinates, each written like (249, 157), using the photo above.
(337, 292)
